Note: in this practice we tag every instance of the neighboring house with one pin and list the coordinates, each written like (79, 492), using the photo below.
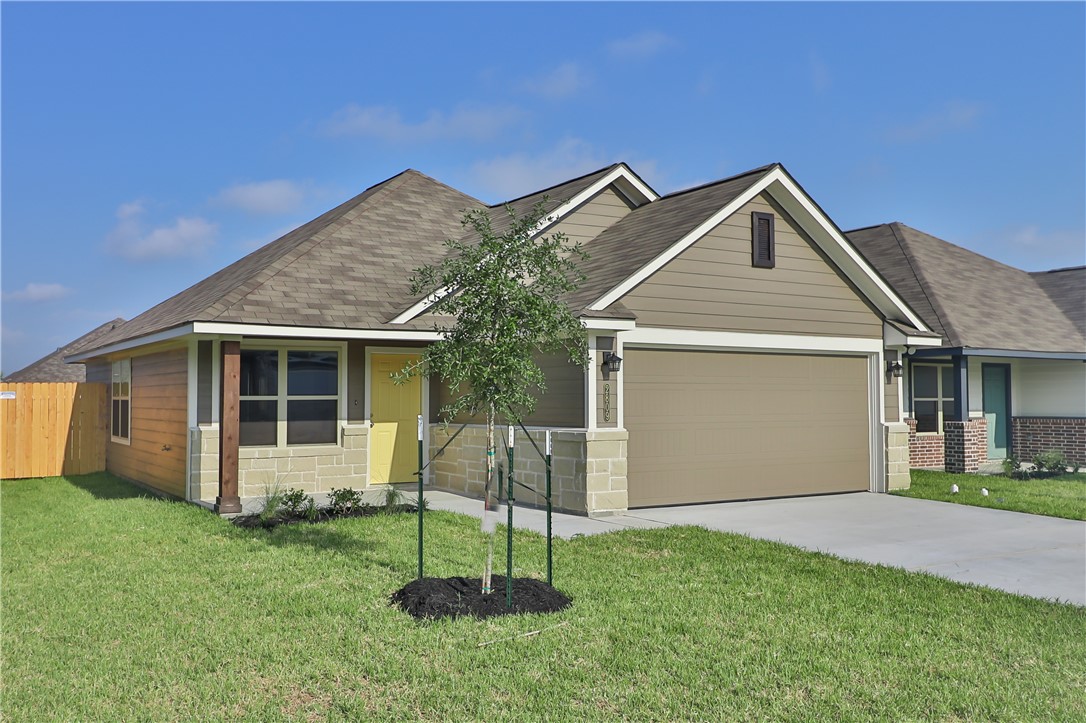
(51, 368)
(1009, 377)
(753, 341)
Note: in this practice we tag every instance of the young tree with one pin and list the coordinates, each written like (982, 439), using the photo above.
(501, 291)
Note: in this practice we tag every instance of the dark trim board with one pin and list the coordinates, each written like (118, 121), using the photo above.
(943, 351)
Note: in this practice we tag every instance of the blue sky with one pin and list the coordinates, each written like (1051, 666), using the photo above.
(145, 146)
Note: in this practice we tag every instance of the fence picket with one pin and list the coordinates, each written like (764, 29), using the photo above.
(52, 429)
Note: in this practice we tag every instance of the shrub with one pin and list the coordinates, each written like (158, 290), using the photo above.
(343, 501)
(294, 501)
(1052, 462)
(393, 499)
(309, 510)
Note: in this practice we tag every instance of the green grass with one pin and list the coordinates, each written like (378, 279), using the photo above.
(1063, 496)
(117, 606)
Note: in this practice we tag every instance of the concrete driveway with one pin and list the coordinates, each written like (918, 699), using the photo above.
(1043, 557)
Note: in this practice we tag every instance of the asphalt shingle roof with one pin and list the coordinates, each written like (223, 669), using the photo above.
(972, 301)
(1067, 289)
(51, 368)
(348, 268)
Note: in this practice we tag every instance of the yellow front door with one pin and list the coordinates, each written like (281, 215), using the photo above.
(394, 413)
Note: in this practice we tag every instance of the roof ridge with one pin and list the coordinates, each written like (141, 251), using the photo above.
(556, 185)
(322, 234)
(751, 172)
(921, 280)
(1056, 271)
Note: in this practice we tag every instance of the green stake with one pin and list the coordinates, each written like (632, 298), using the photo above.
(420, 497)
(509, 528)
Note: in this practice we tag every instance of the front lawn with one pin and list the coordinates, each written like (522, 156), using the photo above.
(1063, 496)
(117, 606)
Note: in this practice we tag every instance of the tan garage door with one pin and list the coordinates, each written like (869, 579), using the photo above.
(709, 426)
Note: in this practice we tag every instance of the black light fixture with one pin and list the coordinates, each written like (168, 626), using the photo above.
(894, 369)
(612, 362)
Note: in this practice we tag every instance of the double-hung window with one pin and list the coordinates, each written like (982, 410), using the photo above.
(289, 397)
(933, 395)
(121, 401)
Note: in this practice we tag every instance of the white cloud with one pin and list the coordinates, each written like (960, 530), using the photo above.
(465, 122)
(520, 173)
(954, 116)
(263, 197)
(187, 236)
(640, 46)
(562, 82)
(38, 292)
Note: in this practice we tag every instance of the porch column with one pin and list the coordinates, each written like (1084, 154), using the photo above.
(228, 501)
(961, 388)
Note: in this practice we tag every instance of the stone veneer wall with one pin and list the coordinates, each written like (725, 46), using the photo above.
(1034, 435)
(312, 469)
(588, 474)
(966, 445)
(925, 450)
(897, 456)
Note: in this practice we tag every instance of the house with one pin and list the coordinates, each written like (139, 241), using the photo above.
(753, 337)
(51, 367)
(1009, 377)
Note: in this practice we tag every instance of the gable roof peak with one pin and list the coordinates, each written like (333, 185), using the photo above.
(567, 182)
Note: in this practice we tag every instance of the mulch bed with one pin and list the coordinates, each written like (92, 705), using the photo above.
(283, 518)
(452, 597)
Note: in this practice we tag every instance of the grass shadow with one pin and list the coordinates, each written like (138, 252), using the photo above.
(104, 486)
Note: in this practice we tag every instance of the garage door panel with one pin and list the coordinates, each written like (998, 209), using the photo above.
(711, 426)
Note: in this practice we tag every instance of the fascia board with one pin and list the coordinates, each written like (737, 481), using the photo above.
(823, 231)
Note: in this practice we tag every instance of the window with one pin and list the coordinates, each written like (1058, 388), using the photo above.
(763, 254)
(289, 397)
(933, 395)
(121, 401)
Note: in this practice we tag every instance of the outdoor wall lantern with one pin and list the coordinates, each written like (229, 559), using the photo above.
(612, 362)
(894, 369)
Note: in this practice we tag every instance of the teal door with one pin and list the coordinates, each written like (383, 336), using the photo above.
(996, 383)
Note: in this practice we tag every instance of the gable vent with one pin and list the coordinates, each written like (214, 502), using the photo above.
(762, 252)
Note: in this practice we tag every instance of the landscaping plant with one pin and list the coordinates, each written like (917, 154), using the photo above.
(503, 288)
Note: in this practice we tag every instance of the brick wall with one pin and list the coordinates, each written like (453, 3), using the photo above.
(925, 450)
(1033, 435)
(965, 446)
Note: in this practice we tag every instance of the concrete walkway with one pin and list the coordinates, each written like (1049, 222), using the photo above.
(1043, 557)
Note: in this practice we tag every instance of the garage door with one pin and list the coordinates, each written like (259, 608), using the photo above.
(711, 426)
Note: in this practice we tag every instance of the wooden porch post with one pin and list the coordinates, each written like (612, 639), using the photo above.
(228, 501)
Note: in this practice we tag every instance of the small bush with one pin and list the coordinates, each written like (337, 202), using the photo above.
(393, 499)
(309, 510)
(343, 501)
(271, 504)
(294, 501)
(1052, 462)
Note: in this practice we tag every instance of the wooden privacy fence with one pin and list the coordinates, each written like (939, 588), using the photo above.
(50, 429)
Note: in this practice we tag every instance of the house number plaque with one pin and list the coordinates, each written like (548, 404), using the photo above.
(607, 402)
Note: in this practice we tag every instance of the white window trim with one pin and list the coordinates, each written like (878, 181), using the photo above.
(282, 398)
(938, 390)
(123, 364)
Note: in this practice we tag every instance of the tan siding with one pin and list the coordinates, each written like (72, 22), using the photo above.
(561, 406)
(587, 222)
(889, 395)
(713, 286)
(99, 371)
(159, 419)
